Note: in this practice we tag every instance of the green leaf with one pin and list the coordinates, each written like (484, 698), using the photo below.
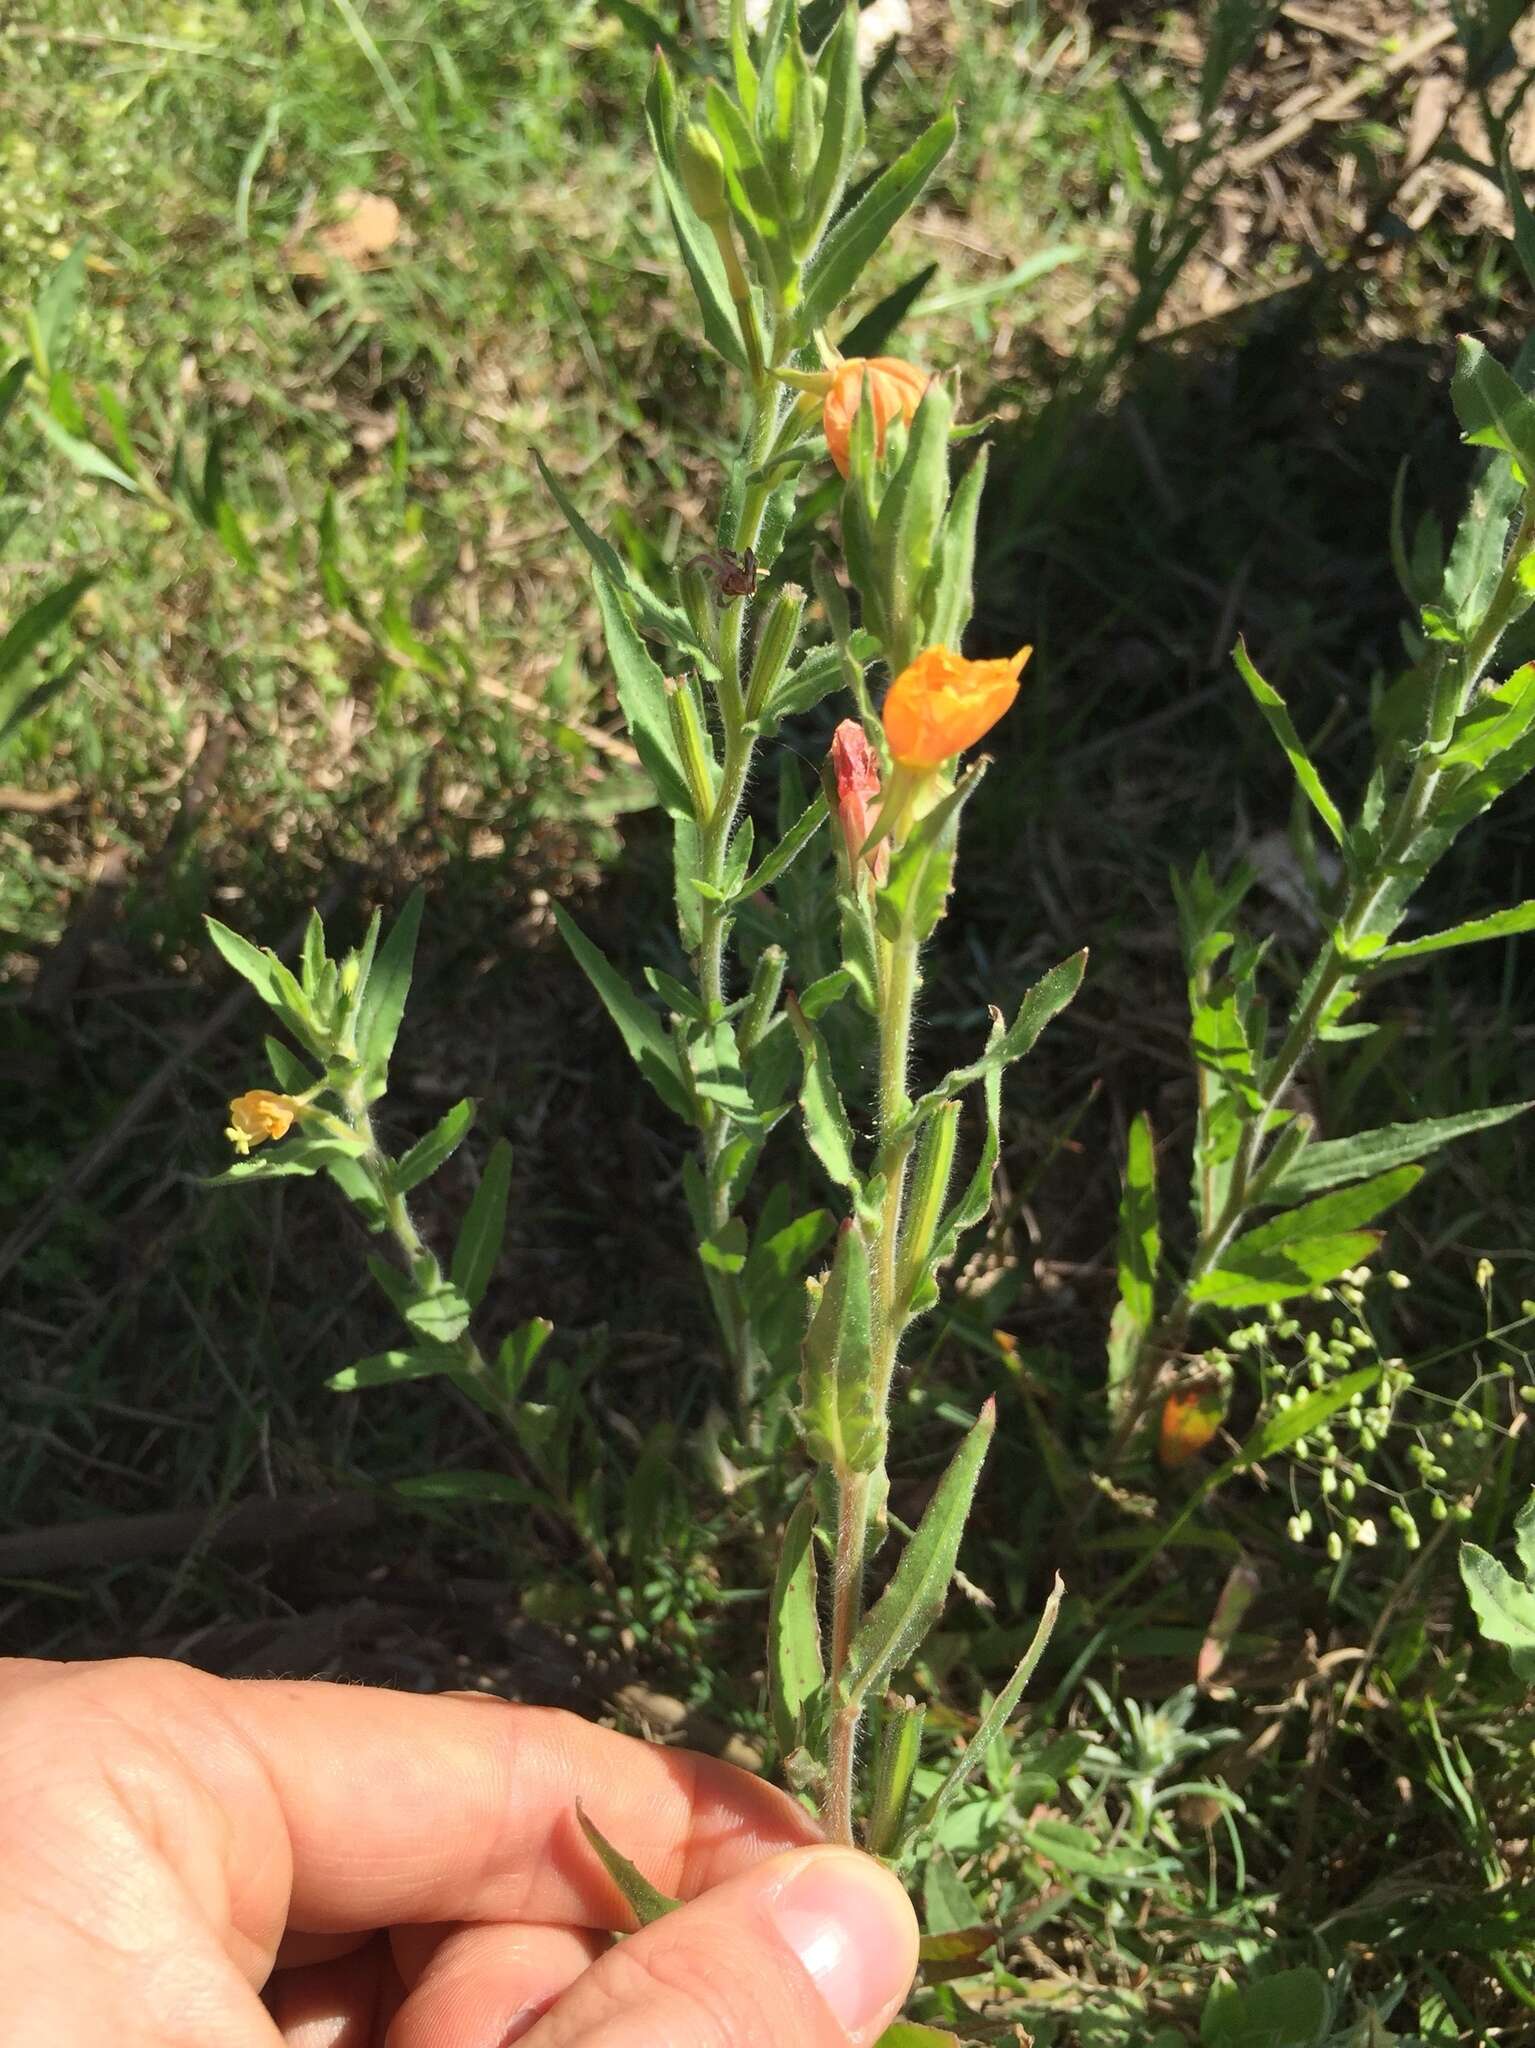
(912, 2034)
(1492, 410)
(796, 1671)
(54, 311)
(1524, 1537)
(948, 595)
(1504, 1608)
(837, 264)
(827, 1129)
(1497, 720)
(430, 1152)
(641, 1030)
(519, 1353)
(1251, 1279)
(480, 1236)
(656, 613)
(842, 125)
(1046, 999)
(383, 999)
(788, 849)
(894, 1629)
(642, 694)
(424, 1361)
(83, 456)
(470, 1486)
(1272, 705)
(842, 1427)
(912, 509)
(442, 1315)
(1347, 1210)
(41, 619)
(12, 383)
(1500, 924)
(1289, 2009)
(1332, 1161)
(725, 1249)
(271, 980)
(288, 1070)
(639, 1894)
(996, 1717)
(947, 1905)
(1140, 1245)
(1314, 1408)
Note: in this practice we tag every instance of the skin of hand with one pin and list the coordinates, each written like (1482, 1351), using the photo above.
(194, 1862)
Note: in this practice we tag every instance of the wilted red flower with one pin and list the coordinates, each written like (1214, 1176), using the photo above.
(857, 772)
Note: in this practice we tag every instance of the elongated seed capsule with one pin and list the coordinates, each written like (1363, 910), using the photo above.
(929, 1191)
(900, 1751)
(775, 644)
(695, 585)
(762, 998)
(697, 756)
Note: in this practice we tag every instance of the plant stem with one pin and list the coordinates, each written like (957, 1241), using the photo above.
(897, 995)
(1334, 967)
(717, 831)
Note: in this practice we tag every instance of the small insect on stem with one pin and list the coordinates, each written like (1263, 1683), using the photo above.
(735, 574)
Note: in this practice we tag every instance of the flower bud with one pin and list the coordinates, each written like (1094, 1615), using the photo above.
(895, 391)
(857, 774)
(701, 167)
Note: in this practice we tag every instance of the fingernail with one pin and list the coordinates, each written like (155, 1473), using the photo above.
(852, 1927)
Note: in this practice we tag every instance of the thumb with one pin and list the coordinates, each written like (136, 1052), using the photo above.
(814, 1949)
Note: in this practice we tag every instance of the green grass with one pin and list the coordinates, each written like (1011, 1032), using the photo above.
(448, 719)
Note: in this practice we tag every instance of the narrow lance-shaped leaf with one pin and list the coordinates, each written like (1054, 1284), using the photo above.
(900, 1619)
(35, 624)
(796, 1671)
(1347, 1209)
(432, 1151)
(826, 1126)
(996, 1717)
(1499, 924)
(267, 975)
(948, 595)
(639, 1894)
(835, 268)
(484, 1226)
(385, 1368)
(1139, 1254)
(1272, 705)
(1046, 999)
(1331, 1162)
(654, 611)
(842, 1427)
(1314, 1408)
(640, 1028)
(643, 696)
(382, 1009)
(789, 848)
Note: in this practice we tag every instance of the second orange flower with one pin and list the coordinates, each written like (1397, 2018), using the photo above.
(941, 703)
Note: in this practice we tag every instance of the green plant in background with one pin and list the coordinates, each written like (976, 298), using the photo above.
(1449, 742)
(344, 1014)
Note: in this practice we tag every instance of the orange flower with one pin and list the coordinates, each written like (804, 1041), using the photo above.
(895, 392)
(941, 704)
(260, 1114)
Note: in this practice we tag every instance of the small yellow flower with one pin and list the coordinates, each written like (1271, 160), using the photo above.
(260, 1114)
(895, 392)
(940, 704)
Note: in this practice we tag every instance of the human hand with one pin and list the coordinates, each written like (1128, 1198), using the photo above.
(190, 1862)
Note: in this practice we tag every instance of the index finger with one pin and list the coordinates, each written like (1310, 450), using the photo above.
(399, 1808)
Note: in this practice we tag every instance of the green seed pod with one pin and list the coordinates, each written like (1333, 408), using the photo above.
(697, 755)
(930, 1188)
(775, 645)
(695, 586)
(900, 1751)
